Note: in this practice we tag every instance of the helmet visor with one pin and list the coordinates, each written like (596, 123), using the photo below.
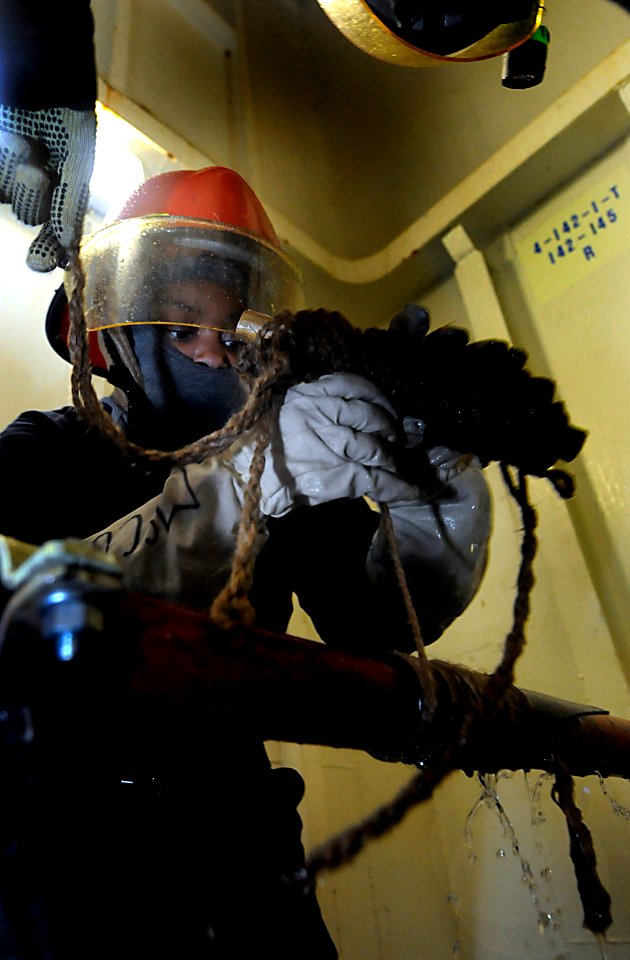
(182, 272)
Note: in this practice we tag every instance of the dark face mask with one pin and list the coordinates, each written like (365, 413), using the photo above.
(187, 399)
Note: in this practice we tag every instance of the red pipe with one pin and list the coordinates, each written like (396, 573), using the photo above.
(279, 687)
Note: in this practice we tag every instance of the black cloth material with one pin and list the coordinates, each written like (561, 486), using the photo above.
(47, 54)
(189, 398)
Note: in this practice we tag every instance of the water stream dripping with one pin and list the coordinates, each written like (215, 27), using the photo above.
(534, 791)
(618, 808)
(549, 921)
(468, 837)
(602, 942)
(453, 901)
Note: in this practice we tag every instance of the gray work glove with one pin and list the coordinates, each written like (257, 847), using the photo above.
(336, 440)
(441, 539)
(333, 439)
(46, 161)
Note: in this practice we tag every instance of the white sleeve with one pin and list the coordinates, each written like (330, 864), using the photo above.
(179, 545)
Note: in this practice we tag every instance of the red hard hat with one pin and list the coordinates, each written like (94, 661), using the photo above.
(184, 216)
(214, 193)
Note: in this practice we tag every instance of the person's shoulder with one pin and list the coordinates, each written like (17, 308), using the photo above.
(42, 424)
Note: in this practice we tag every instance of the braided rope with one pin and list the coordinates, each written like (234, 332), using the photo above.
(514, 645)
(343, 847)
(232, 607)
(422, 666)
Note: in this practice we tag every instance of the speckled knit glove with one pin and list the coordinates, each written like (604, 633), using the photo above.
(46, 160)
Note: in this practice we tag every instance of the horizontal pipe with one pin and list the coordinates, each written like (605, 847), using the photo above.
(279, 687)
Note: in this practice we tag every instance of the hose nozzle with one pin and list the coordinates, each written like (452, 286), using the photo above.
(250, 324)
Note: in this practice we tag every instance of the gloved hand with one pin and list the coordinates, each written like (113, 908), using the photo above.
(333, 439)
(46, 160)
(442, 540)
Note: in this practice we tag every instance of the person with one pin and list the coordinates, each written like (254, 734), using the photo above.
(166, 282)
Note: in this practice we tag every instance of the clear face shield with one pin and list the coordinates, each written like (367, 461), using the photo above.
(184, 275)
(164, 295)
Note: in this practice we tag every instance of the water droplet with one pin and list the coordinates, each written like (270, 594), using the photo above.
(535, 790)
(617, 807)
(601, 943)
(500, 854)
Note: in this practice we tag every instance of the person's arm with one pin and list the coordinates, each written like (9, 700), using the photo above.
(337, 444)
(47, 121)
(61, 478)
(36, 476)
(335, 439)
